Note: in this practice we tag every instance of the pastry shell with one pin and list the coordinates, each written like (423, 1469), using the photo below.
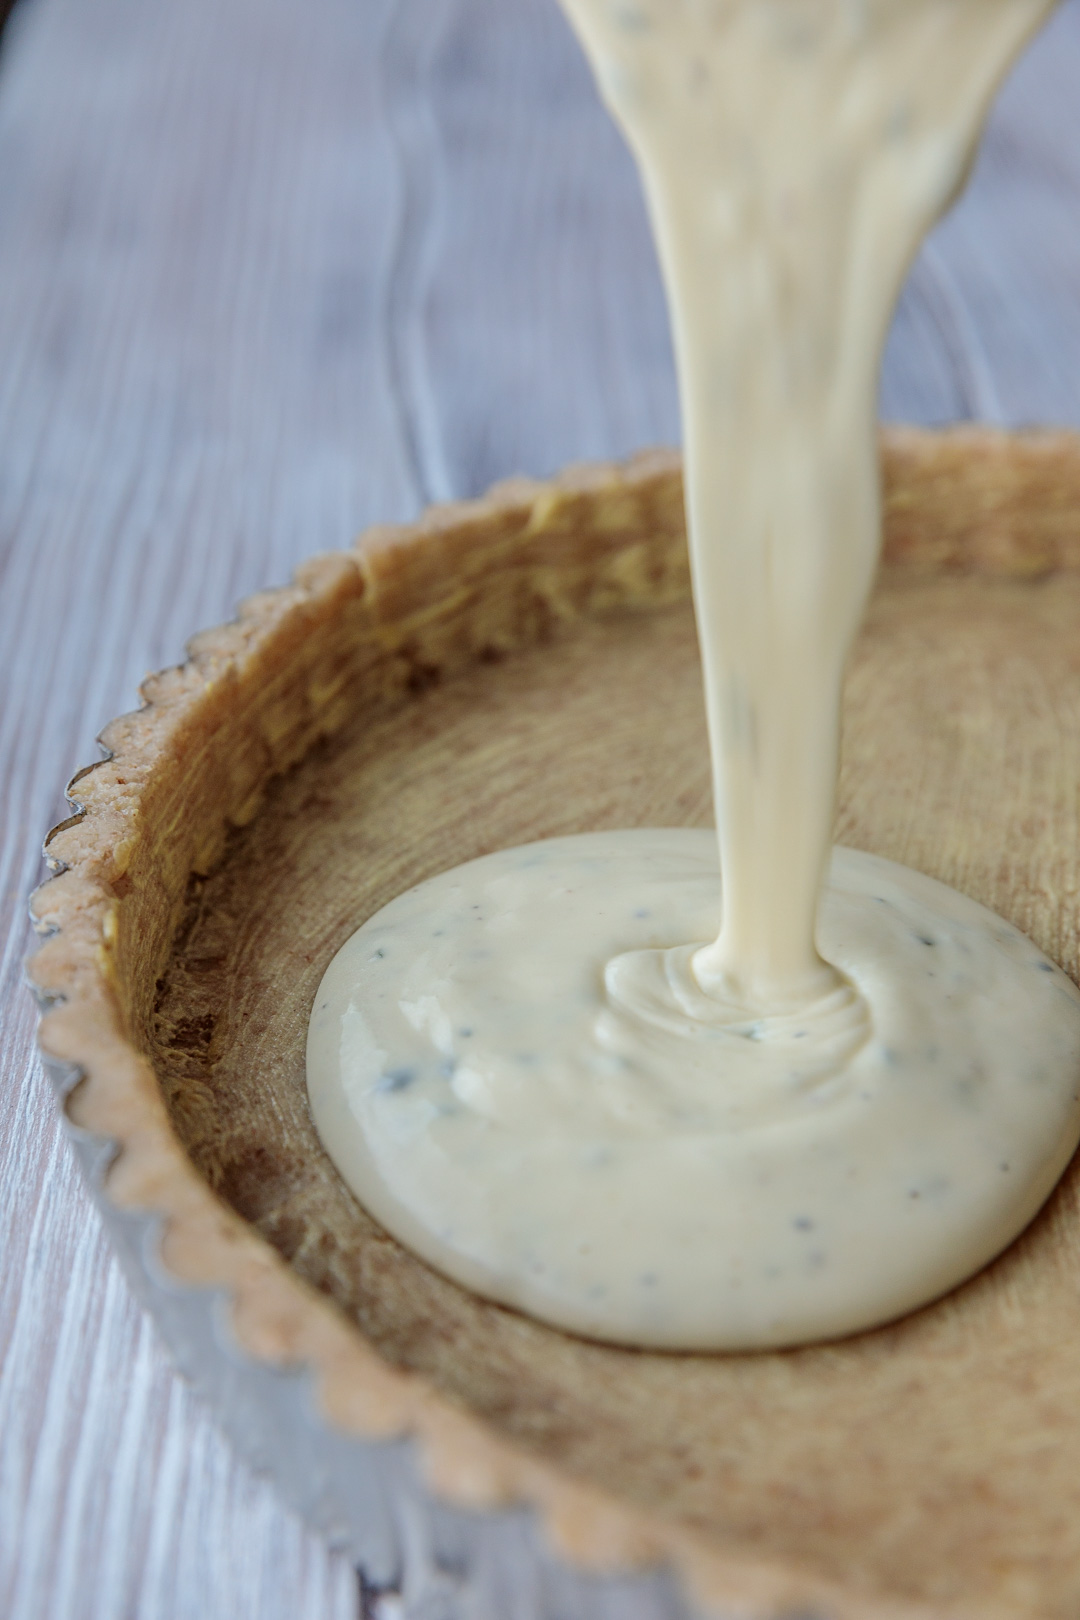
(430, 1495)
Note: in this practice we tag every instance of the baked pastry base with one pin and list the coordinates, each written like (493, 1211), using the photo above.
(520, 668)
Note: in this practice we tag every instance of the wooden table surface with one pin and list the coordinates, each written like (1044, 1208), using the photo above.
(271, 270)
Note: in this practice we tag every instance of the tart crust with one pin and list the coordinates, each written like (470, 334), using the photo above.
(423, 644)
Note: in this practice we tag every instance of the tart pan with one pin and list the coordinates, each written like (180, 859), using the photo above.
(518, 667)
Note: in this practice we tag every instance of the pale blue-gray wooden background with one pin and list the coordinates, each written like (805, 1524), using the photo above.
(270, 270)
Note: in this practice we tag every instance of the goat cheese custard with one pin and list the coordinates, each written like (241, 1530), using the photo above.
(732, 1090)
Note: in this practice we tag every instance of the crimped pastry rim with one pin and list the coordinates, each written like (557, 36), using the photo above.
(275, 1316)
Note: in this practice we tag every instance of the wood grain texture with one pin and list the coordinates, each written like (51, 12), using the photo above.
(270, 271)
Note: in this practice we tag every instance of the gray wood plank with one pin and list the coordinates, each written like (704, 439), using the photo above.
(990, 321)
(269, 270)
(197, 205)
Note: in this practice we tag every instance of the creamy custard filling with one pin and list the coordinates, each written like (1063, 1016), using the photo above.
(794, 152)
(690, 1183)
(588, 1079)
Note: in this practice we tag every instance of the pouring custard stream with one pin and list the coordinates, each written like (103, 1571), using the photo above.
(578, 1077)
(794, 153)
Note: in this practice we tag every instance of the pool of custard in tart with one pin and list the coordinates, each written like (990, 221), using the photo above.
(731, 1090)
